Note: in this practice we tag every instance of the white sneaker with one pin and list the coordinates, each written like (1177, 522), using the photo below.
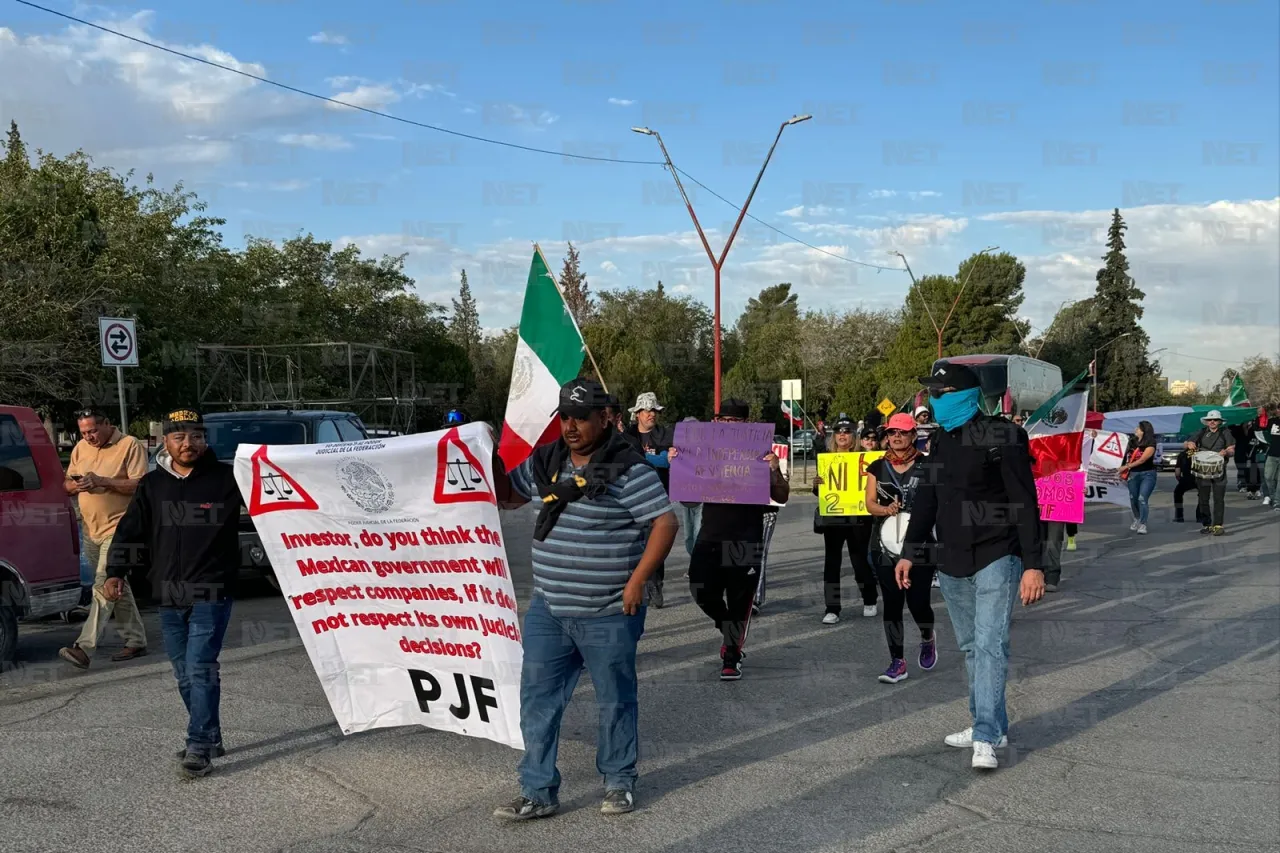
(1136, 524)
(1142, 529)
(869, 610)
(831, 619)
(984, 756)
(937, 584)
(1266, 501)
(964, 740)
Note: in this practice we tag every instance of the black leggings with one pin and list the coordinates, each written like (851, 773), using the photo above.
(855, 537)
(917, 599)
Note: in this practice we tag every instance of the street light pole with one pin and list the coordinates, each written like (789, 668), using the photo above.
(718, 264)
(1095, 365)
(954, 303)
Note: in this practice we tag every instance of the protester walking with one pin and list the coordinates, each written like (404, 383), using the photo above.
(604, 526)
(105, 469)
(892, 483)
(182, 530)
(692, 520)
(1271, 467)
(845, 532)
(1140, 471)
(1186, 482)
(724, 570)
(654, 440)
(979, 491)
(1211, 479)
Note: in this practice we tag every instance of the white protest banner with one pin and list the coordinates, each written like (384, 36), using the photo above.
(1104, 454)
(390, 556)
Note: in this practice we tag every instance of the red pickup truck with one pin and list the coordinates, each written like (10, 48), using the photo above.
(39, 536)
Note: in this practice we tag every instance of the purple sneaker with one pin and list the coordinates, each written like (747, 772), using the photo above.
(929, 654)
(896, 672)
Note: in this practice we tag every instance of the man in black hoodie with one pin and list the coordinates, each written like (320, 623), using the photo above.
(181, 530)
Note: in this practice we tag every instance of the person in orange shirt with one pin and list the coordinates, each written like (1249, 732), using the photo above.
(105, 468)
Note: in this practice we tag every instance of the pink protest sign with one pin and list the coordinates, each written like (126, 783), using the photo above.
(1061, 497)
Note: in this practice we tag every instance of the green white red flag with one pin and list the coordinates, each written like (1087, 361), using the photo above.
(549, 352)
(1056, 431)
(1237, 396)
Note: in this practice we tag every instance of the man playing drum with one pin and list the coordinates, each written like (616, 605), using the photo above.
(892, 481)
(1209, 465)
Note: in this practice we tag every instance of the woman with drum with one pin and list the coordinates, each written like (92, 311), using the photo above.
(841, 532)
(1209, 465)
(892, 482)
(1140, 471)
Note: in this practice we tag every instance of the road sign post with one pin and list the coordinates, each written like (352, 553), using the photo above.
(118, 338)
(791, 389)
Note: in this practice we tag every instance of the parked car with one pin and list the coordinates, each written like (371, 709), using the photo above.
(802, 441)
(39, 535)
(1168, 447)
(228, 430)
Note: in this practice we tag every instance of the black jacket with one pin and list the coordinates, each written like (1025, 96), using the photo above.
(182, 533)
(978, 489)
(658, 441)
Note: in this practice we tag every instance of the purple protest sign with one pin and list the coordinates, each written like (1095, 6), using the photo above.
(721, 463)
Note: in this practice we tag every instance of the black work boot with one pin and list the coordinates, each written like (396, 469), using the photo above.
(1177, 514)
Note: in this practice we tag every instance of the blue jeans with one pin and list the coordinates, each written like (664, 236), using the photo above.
(555, 650)
(692, 522)
(980, 608)
(193, 639)
(1141, 485)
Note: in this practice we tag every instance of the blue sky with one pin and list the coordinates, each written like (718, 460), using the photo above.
(939, 128)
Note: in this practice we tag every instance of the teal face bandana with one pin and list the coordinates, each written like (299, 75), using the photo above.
(956, 408)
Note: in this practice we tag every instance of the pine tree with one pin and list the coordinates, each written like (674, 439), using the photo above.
(1126, 379)
(464, 327)
(577, 293)
(15, 163)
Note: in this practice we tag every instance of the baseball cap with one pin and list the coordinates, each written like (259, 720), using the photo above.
(181, 420)
(843, 421)
(734, 409)
(580, 397)
(867, 432)
(920, 410)
(956, 376)
(902, 421)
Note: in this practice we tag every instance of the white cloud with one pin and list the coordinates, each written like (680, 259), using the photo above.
(609, 266)
(316, 141)
(882, 194)
(1210, 273)
(323, 37)
(520, 114)
(924, 194)
(621, 102)
(369, 96)
(271, 186)
(196, 151)
(818, 210)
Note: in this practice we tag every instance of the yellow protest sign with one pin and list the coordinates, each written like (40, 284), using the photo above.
(886, 407)
(844, 482)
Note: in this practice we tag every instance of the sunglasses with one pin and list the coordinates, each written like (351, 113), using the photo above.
(844, 431)
(893, 432)
(88, 413)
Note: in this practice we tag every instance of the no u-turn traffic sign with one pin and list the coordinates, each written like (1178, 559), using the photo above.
(119, 341)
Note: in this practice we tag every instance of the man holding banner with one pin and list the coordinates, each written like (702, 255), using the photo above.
(604, 527)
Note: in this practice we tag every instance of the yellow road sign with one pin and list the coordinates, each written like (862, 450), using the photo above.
(886, 407)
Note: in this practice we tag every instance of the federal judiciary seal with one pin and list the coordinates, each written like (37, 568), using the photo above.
(366, 486)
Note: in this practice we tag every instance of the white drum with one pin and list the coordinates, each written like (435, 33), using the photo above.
(893, 533)
(1207, 465)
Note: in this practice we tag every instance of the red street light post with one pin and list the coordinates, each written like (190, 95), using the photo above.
(717, 265)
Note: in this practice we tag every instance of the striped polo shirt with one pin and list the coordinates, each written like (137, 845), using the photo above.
(580, 569)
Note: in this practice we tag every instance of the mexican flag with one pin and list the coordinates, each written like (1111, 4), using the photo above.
(786, 410)
(1056, 431)
(1237, 396)
(549, 352)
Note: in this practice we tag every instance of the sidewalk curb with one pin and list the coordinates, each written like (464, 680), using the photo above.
(71, 683)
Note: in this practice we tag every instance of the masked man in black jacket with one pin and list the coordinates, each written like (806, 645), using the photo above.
(181, 529)
(979, 492)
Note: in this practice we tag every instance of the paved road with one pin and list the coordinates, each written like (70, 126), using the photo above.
(1145, 700)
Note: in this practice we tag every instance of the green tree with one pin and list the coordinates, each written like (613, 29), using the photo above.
(768, 333)
(464, 326)
(573, 284)
(1067, 340)
(1126, 378)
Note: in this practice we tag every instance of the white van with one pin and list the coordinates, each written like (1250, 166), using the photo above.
(1011, 384)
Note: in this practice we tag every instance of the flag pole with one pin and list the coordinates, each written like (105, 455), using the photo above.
(559, 290)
